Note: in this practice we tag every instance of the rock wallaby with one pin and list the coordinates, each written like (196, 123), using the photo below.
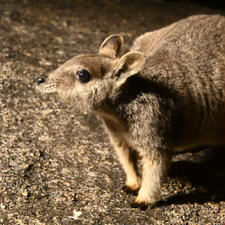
(167, 94)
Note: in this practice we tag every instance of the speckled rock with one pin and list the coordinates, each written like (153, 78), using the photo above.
(56, 164)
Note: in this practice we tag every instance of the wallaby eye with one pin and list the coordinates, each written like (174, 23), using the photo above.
(83, 76)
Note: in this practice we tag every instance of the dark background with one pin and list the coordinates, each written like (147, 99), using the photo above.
(208, 3)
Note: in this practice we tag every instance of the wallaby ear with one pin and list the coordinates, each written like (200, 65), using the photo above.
(128, 65)
(111, 46)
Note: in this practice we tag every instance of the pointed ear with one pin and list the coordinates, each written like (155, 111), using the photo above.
(111, 46)
(128, 65)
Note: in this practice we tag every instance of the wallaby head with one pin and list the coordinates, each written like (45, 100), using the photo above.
(88, 80)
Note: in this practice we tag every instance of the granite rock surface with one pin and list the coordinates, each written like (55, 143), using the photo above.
(56, 163)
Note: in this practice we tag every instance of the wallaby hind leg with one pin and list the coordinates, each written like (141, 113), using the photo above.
(154, 170)
(133, 181)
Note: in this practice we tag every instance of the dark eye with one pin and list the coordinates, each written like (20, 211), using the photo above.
(83, 76)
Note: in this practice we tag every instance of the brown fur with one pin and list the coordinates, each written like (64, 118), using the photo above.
(166, 94)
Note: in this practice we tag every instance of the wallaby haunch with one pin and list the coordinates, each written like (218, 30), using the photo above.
(167, 94)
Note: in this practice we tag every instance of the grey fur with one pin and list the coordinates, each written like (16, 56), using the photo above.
(166, 94)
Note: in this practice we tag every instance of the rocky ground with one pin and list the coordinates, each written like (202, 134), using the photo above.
(56, 164)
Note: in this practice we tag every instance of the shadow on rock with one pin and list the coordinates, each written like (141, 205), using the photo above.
(207, 176)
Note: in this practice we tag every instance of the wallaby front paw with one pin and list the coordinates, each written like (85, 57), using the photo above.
(133, 184)
(144, 199)
(143, 204)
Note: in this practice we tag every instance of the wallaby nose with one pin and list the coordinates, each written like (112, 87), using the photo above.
(40, 80)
